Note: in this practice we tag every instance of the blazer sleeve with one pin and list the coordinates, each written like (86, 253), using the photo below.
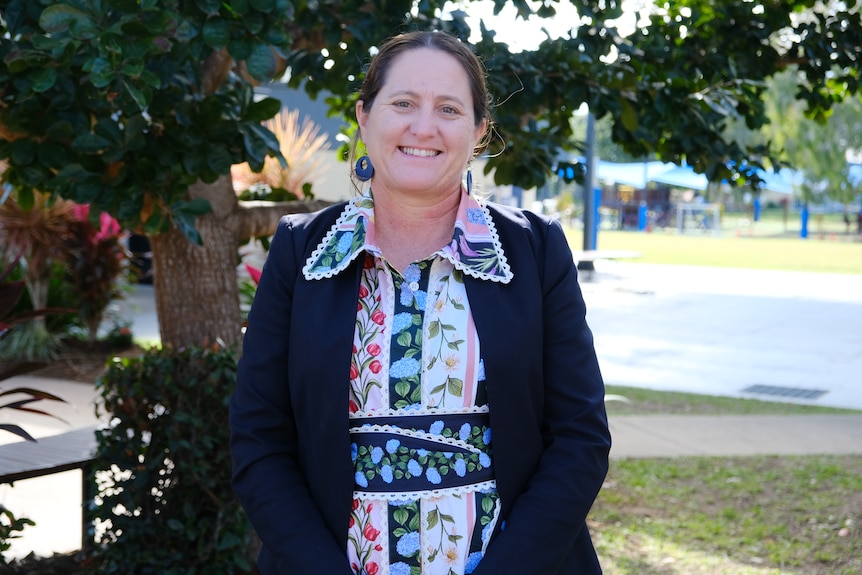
(264, 448)
(545, 531)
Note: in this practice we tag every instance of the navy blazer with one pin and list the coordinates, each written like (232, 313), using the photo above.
(289, 415)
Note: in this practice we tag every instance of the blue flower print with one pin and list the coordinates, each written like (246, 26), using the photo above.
(481, 374)
(460, 467)
(433, 476)
(408, 544)
(376, 455)
(392, 445)
(408, 294)
(484, 460)
(472, 562)
(399, 568)
(475, 216)
(414, 468)
(360, 479)
(412, 273)
(486, 437)
(486, 532)
(386, 473)
(436, 428)
(403, 368)
(421, 452)
(354, 451)
(464, 432)
(344, 243)
(401, 322)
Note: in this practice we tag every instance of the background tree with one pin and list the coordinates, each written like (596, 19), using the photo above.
(140, 107)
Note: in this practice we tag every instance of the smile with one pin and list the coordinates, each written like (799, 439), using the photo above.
(419, 152)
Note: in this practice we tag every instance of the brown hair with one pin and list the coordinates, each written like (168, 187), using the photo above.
(375, 76)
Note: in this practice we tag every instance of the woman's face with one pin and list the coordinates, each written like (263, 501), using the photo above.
(420, 131)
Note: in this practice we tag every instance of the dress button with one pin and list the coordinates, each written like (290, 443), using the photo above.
(414, 286)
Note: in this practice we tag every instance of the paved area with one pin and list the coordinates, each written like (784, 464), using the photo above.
(739, 333)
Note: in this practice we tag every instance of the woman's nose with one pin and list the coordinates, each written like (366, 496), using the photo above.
(423, 123)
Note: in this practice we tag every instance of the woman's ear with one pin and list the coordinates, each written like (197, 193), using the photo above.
(361, 115)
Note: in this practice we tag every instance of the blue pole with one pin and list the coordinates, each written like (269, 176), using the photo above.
(597, 200)
(803, 232)
(642, 216)
(757, 209)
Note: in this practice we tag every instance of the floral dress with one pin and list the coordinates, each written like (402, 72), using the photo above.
(425, 499)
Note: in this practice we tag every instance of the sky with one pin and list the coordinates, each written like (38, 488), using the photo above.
(521, 35)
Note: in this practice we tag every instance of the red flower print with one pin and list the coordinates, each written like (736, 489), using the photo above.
(355, 567)
(363, 291)
(371, 568)
(373, 349)
(375, 366)
(351, 523)
(369, 262)
(359, 306)
(355, 504)
(369, 508)
(378, 547)
(353, 407)
(370, 532)
(378, 317)
(354, 372)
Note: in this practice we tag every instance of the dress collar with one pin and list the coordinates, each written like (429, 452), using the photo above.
(475, 247)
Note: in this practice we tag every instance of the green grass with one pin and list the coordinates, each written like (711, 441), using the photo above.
(764, 515)
(738, 516)
(768, 251)
(650, 402)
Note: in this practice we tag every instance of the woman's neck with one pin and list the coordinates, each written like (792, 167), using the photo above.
(410, 229)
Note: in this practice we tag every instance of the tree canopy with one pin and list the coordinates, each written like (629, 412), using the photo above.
(126, 105)
(142, 97)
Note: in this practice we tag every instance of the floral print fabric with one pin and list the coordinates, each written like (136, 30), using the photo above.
(425, 501)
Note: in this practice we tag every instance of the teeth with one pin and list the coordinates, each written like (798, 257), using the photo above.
(419, 152)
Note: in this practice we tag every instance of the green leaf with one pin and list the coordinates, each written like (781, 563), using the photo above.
(262, 5)
(262, 64)
(61, 17)
(263, 110)
(101, 72)
(195, 207)
(44, 79)
(141, 97)
(216, 33)
(456, 387)
(90, 143)
(432, 519)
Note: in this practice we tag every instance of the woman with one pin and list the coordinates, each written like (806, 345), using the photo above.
(418, 391)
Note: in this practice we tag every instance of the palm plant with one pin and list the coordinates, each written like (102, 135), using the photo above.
(37, 227)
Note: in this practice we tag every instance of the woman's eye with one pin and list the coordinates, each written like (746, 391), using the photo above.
(402, 104)
(449, 110)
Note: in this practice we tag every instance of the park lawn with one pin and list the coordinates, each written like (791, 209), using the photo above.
(731, 516)
(841, 255)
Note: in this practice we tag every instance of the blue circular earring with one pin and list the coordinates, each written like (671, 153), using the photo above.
(364, 169)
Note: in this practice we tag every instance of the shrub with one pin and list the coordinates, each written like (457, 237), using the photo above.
(163, 467)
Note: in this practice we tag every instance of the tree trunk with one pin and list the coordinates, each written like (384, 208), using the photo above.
(197, 296)
(197, 299)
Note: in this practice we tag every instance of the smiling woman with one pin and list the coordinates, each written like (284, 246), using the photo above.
(392, 343)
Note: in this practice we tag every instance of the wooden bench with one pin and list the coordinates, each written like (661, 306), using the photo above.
(55, 454)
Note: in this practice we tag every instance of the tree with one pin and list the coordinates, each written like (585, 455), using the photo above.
(140, 107)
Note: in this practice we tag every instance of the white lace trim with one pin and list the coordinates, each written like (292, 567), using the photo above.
(505, 269)
(349, 211)
(424, 412)
(404, 496)
(424, 435)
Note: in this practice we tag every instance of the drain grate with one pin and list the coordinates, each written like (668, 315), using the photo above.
(794, 392)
